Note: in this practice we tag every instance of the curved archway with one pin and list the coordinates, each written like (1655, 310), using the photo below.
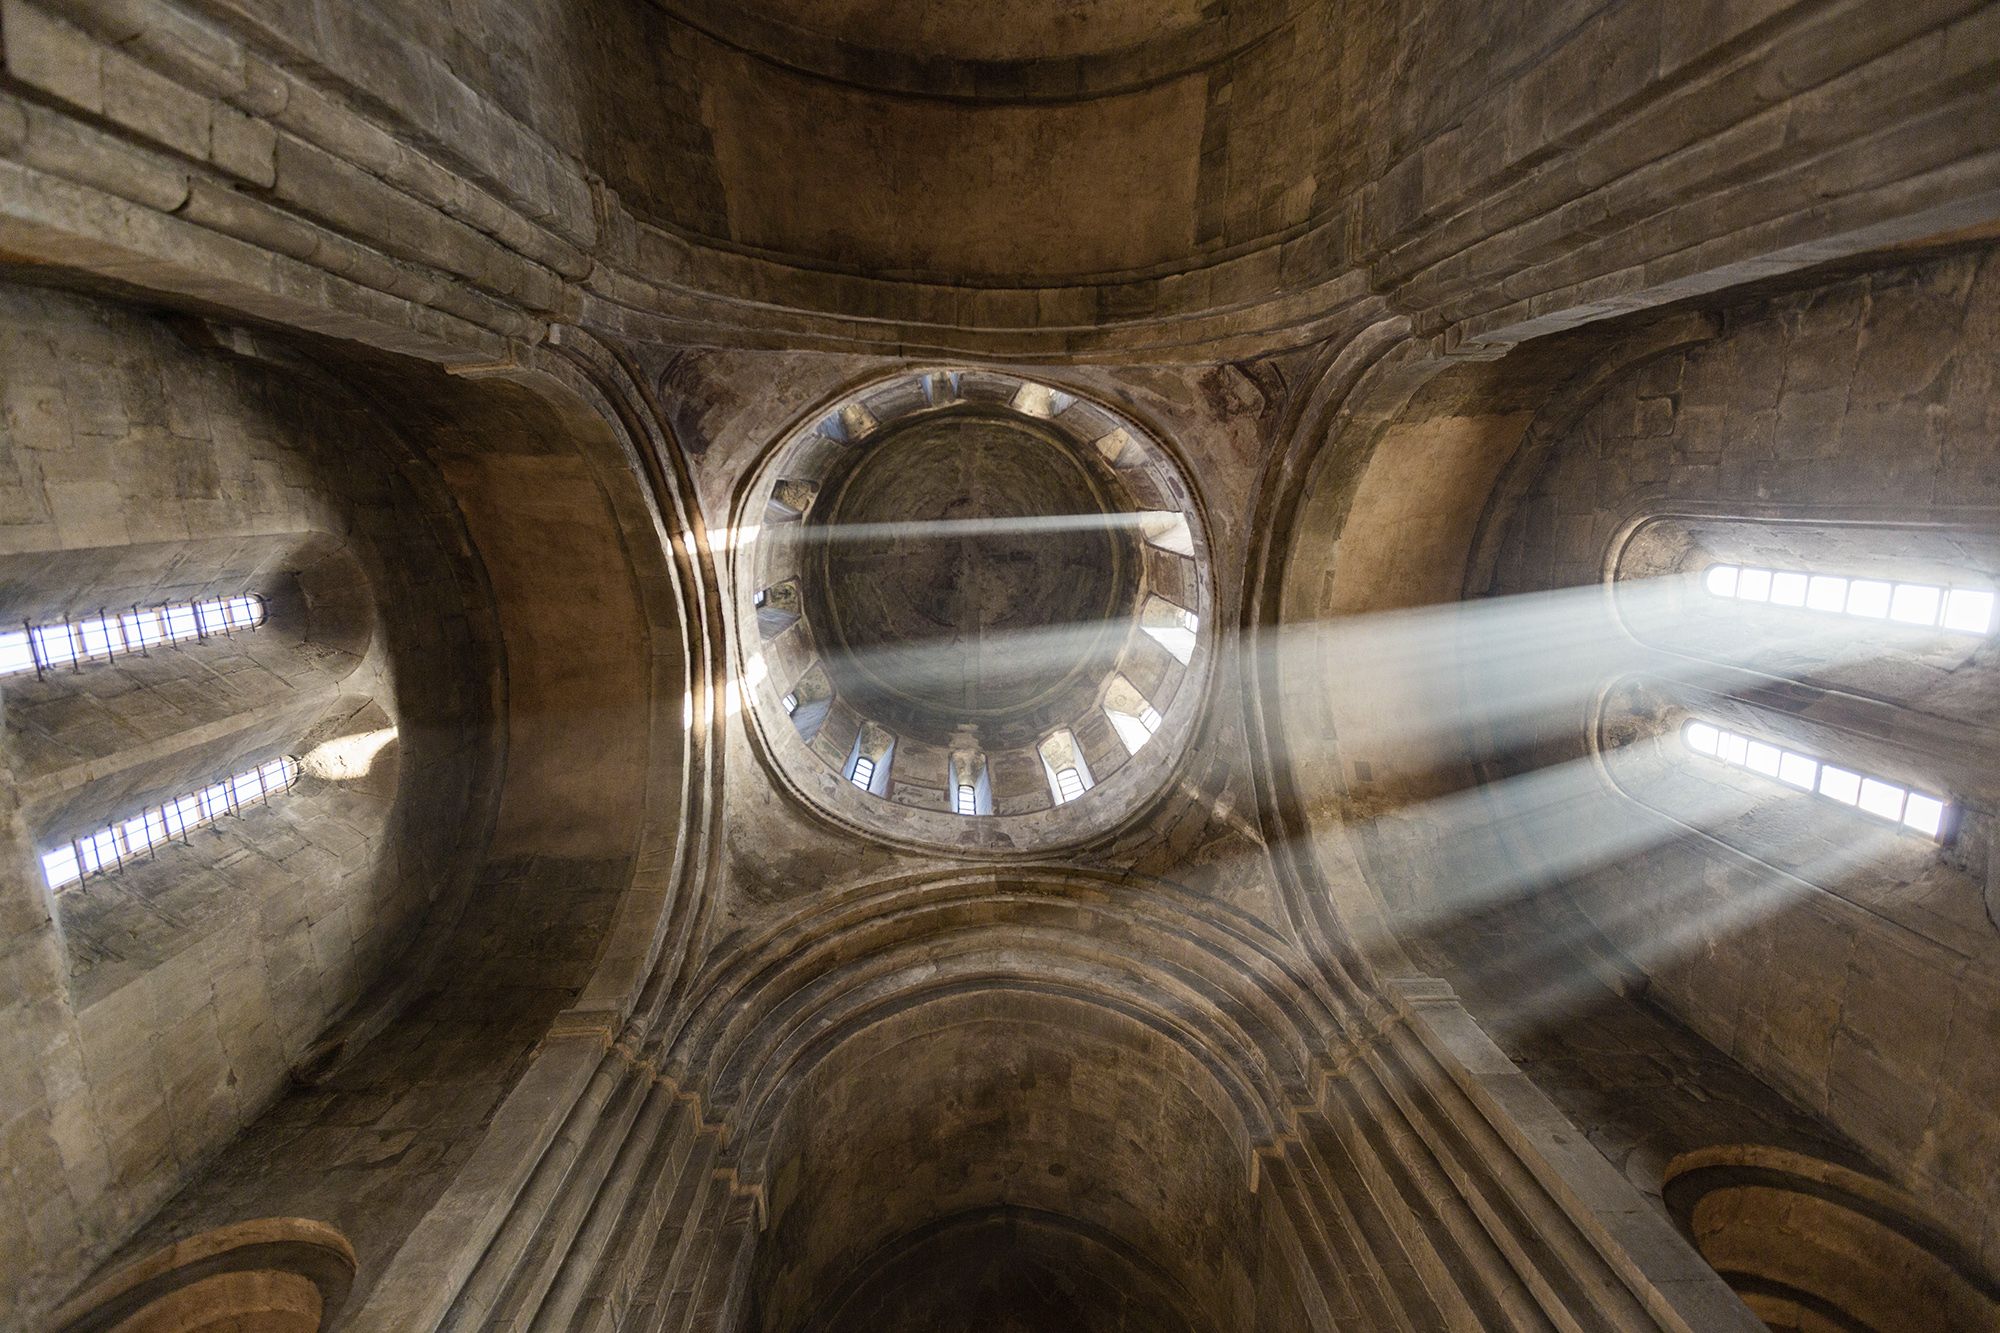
(1083, 1066)
(271, 1275)
(1472, 819)
(1809, 1244)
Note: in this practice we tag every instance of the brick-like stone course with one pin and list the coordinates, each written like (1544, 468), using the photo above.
(1853, 991)
(160, 1008)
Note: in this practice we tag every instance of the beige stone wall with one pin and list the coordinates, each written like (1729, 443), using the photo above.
(155, 1012)
(600, 195)
(591, 703)
(373, 1148)
(1853, 971)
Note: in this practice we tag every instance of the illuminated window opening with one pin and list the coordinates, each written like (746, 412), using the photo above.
(970, 785)
(1960, 610)
(1887, 801)
(107, 636)
(791, 702)
(1064, 765)
(1168, 529)
(1134, 729)
(111, 848)
(1175, 627)
(869, 761)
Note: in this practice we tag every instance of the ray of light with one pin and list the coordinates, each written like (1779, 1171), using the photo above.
(1162, 525)
(955, 529)
(347, 758)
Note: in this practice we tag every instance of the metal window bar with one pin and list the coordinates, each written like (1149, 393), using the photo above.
(110, 848)
(968, 799)
(73, 643)
(1069, 784)
(864, 772)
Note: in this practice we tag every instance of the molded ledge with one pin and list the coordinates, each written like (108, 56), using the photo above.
(1638, 1245)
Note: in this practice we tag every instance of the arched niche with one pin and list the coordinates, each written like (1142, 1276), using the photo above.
(1016, 1115)
(1093, 1074)
(271, 1275)
(1813, 1247)
(575, 891)
(169, 1002)
(1472, 821)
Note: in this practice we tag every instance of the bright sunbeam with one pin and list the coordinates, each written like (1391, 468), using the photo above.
(1505, 838)
(1162, 526)
(1494, 672)
(1445, 684)
(347, 758)
(996, 660)
(1680, 915)
(1149, 522)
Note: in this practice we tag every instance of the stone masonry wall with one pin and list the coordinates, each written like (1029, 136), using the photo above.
(1866, 989)
(157, 1011)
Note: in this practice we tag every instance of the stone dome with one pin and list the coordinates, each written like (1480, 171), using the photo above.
(977, 604)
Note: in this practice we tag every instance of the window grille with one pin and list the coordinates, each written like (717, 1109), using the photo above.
(791, 702)
(112, 847)
(1069, 785)
(1887, 801)
(864, 773)
(109, 635)
(1961, 610)
(968, 799)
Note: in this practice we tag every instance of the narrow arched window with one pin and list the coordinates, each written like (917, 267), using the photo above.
(868, 762)
(1173, 626)
(115, 846)
(74, 641)
(1891, 802)
(971, 786)
(1929, 605)
(1067, 771)
(1131, 714)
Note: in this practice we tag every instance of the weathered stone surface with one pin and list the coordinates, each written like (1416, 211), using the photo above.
(1392, 968)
